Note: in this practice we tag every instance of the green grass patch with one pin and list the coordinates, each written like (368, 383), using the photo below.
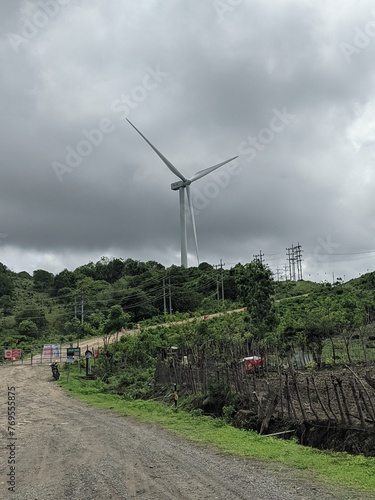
(356, 472)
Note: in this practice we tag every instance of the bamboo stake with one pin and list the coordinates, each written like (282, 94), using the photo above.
(329, 403)
(344, 401)
(319, 398)
(299, 398)
(372, 413)
(358, 404)
(334, 382)
(289, 398)
(310, 402)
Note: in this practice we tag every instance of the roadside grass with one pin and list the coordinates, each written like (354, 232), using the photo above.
(355, 472)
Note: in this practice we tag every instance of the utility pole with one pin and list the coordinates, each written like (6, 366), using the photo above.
(278, 273)
(217, 284)
(221, 279)
(293, 264)
(286, 272)
(294, 255)
(81, 307)
(164, 297)
(298, 258)
(290, 257)
(259, 256)
(170, 295)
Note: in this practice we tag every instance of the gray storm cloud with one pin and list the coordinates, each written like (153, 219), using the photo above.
(286, 85)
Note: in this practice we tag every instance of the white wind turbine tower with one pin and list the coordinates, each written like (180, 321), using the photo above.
(181, 186)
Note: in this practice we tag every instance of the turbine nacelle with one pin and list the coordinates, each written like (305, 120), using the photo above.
(175, 186)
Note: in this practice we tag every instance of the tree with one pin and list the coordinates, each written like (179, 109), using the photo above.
(116, 320)
(43, 280)
(28, 328)
(65, 279)
(6, 282)
(74, 328)
(6, 304)
(135, 300)
(33, 313)
(317, 328)
(134, 267)
(350, 315)
(256, 288)
(109, 270)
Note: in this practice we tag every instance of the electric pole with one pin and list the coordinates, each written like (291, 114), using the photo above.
(290, 257)
(81, 307)
(259, 256)
(221, 279)
(294, 255)
(170, 295)
(278, 273)
(164, 297)
(286, 272)
(298, 258)
(217, 284)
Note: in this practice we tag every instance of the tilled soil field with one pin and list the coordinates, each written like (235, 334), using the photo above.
(62, 448)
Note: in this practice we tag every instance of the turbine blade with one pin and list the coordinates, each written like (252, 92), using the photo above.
(193, 221)
(206, 171)
(171, 167)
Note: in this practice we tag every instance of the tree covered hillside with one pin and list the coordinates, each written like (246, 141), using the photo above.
(96, 297)
(76, 304)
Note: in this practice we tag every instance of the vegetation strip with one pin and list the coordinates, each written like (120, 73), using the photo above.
(356, 472)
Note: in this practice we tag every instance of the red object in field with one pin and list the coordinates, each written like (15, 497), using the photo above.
(252, 361)
(205, 316)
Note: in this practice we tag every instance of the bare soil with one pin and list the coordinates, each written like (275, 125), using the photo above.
(66, 449)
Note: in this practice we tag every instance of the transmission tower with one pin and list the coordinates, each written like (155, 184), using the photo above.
(294, 257)
(298, 259)
(291, 263)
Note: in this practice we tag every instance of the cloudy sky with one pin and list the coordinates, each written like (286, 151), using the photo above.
(287, 85)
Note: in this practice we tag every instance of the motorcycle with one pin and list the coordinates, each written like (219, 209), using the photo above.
(55, 371)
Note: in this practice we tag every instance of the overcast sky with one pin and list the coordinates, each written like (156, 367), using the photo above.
(288, 86)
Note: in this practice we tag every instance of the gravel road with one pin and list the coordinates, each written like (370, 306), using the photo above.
(65, 449)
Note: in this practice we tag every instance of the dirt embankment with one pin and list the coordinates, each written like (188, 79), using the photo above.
(68, 450)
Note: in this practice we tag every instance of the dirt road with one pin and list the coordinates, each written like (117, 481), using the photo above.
(64, 449)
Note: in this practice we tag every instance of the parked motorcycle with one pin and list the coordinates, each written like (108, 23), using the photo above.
(55, 370)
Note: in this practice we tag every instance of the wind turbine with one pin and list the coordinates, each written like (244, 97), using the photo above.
(181, 186)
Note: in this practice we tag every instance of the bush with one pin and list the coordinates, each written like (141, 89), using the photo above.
(228, 412)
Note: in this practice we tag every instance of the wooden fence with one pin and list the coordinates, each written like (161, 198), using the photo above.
(342, 395)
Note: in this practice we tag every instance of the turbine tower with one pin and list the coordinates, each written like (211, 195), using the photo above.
(180, 186)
